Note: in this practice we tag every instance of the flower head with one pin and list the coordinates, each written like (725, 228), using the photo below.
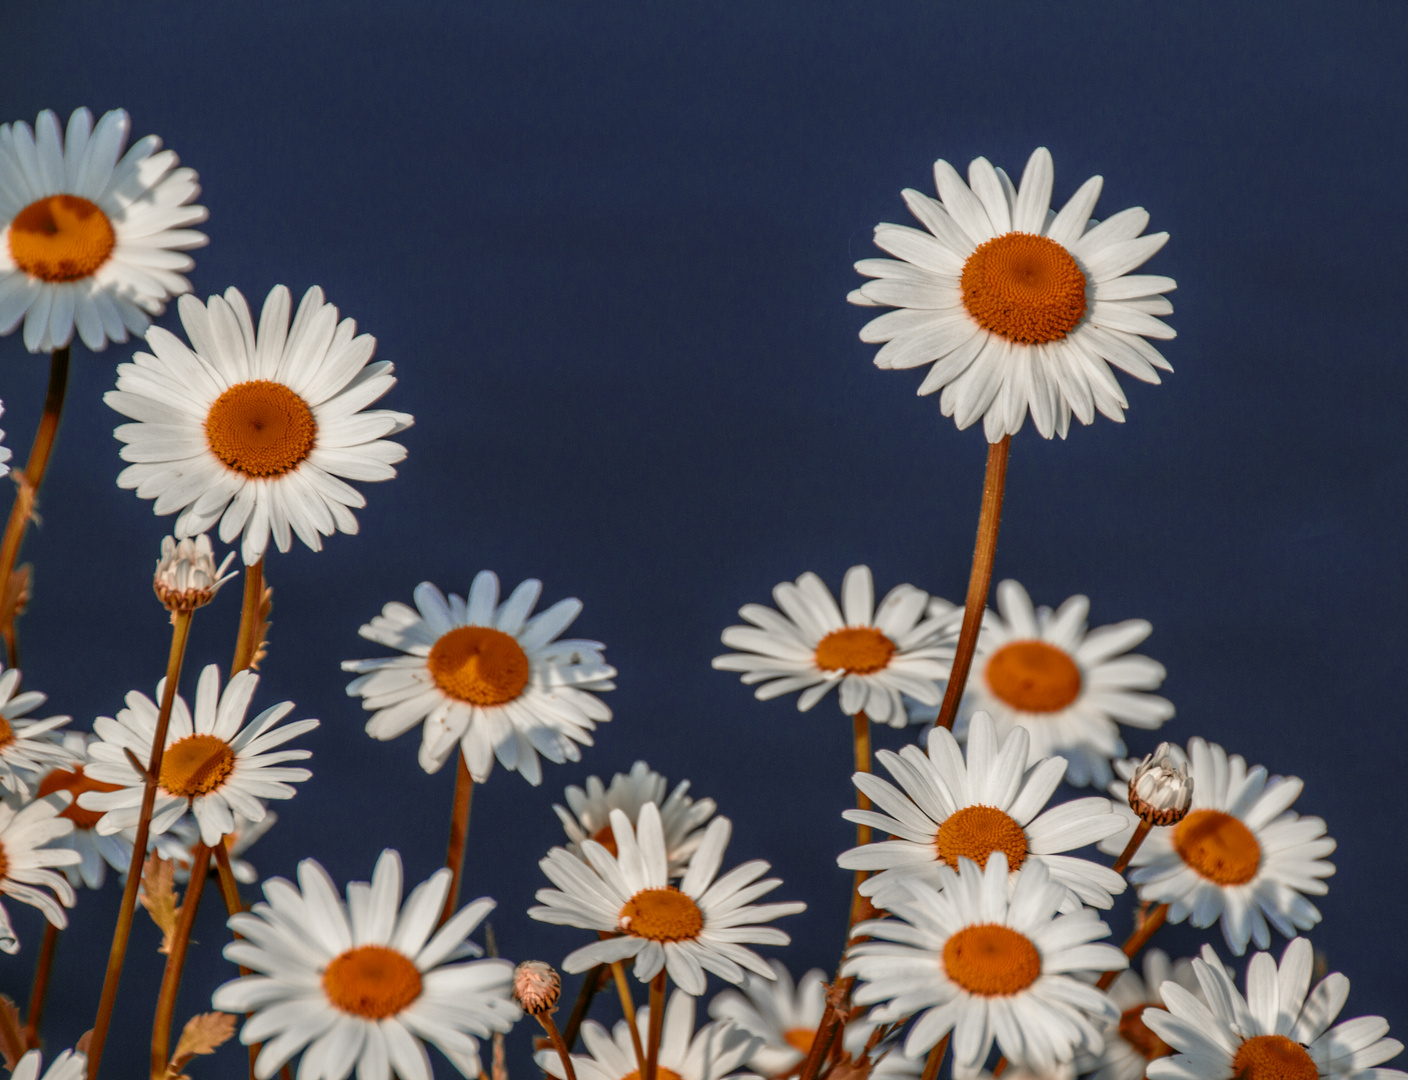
(1130, 1044)
(27, 747)
(96, 851)
(536, 987)
(186, 575)
(1160, 789)
(26, 861)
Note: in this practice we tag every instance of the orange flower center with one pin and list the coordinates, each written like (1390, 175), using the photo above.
(606, 838)
(4, 863)
(479, 664)
(800, 1039)
(991, 960)
(1217, 846)
(195, 765)
(1024, 287)
(662, 915)
(857, 650)
(74, 781)
(1032, 676)
(1273, 1057)
(371, 981)
(61, 238)
(260, 428)
(975, 832)
(661, 1073)
(7, 733)
(1134, 1031)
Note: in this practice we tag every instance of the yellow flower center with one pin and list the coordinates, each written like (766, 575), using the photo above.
(606, 838)
(856, 650)
(975, 832)
(662, 915)
(1134, 1031)
(260, 428)
(800, 1039)
(479, 664)
(991, 960)
(1032, 676)
(61, 238)
(371, 981)
(1217, 846)
(196, 765)
(1024, 287)
(1273, 1057)
(73, 780)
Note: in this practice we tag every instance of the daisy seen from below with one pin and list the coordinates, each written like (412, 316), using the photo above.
(364, 983)
(28, 747)
(254, 430)
(681, 818)
(1003, 972)
(214, 765)
(27, 861)
(1241, 855)
(955, 806)
(484, 676)
(90, 241)
(873, 654)
(1130, 1045)
(1275, 1032)
(1018, 309)
(703, 924)
(713, 1052)
(96, 851)
(69, 1065)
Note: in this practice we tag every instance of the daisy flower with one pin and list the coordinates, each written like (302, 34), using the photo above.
(1241, 855)
(711, 1053)
(873, 655)
(28, 747)
(25, 861)
(786, 1016)
(699, 926)
(681, 817)
(90, 241)
(67, 1066)
(951, 809)
(486, 676)
(1276, 1032)
(252, 430)
(1130, 1045)
(214, 764)
(364, 983)
(969, 960)
(96, 851)
(1017, 308)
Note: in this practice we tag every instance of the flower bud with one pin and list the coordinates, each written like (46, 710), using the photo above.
(536, 987)
(1160, 791)
(186, 574)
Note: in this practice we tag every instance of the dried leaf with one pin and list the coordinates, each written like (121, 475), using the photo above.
(203, 1034)
(261, 648)
(12, 1044)
(159, 898)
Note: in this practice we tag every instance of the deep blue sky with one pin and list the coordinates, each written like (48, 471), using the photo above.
(608, 245)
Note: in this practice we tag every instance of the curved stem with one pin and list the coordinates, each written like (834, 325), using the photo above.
(979, 579)
(546, 1020)
(860, 906)
(176, 961)
(628, 1010)
(657, 1018)
(1147, 928)
(41, 985)
(1140, 831)
(459, 833)
(251, 624)
(230, 890)
(593, 982)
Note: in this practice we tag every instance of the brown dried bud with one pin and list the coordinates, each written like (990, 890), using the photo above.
(186, 575)
(536, 987)
(1160, 791)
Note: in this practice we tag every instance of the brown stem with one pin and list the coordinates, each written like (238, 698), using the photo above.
(1141, 831)
(829, 1027)
(545, 1018)
(657, 1018)
(41, 985)
(860, 907)
(459, 832)
(628, 1010)
(590, 985)
(176, 961)
(935, 1059)
(1000, 1067)
(1147, 928)
(230, 890)
(978, 580)
(250, 622)
(180, 632)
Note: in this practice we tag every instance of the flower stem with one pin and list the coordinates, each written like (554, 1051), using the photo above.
(41, 985)
(827, 1029)
(978, 580)
(176, 961)
(590, 985)
(657, 1018)
(545, 1018)
(459, 833)
(628, 1010)
(180, 632)
(1148, 926)
(251, 624)
(1141, 831)
(29, 478)
(936, 1058)
(230, 890)
(860, 906)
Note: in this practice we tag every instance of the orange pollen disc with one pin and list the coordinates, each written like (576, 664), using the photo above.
(260, 428)
(61, 238)
(1024, 287)
(800, 1039)
(371, 981)
(1032, 676)
(196, 765)
(975, 832)
(7, 733)
(991, 960)
(857, 650)
(1273, 1057)
(606, 838)
(4, 863)
(77, 783)
(1134, 1031)
(1217, 846)
(479, 664)
(661, 915)
(661, 1073)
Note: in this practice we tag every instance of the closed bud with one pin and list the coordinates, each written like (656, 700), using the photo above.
(186, 575)
(536, 987)
(1160, 791)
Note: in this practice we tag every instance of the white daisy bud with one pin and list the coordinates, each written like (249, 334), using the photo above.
(186, 575)
(536, 987)
(1161, 790)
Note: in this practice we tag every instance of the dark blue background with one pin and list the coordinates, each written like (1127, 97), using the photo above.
(607, 246)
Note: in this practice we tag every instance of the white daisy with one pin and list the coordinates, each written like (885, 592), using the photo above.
(87, 240)
(486, 676)
(699, 926)
(214, 764)
(681, 817)
(711, 1053)
(363, 983)
(1129, 1043)
(969, 960)
(1276, 1032)
(69, 1065)
(96, 851)
(1017, 308)
(953, 809)
(178, 842)
(1241, 855)
(28, 748)
(5, 453)
(253, 429)
(786, 1018)
(25, 861)
(873, 655)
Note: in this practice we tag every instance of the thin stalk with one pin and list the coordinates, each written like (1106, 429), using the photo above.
(230, 890)
(1147, 928)
(180, 632)
(248, 642)
(935, 1059)
(827, 1030)
(590, 985)
(860, 908)
(41, 985)
(979, 579)
(999, 1068)
(1141, 831)
(176, 961)
(628, 1010)
(459, 833)
(657, 1018)
(545, 1018)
